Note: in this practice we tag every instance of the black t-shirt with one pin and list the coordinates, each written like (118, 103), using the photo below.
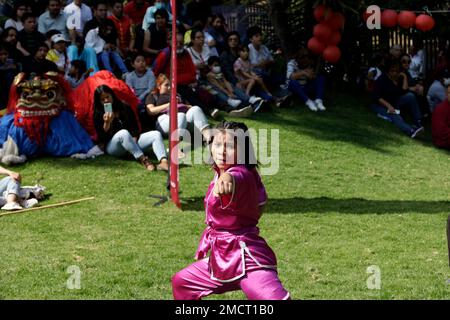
(386, 89)
(31, 65)
(125, 119)
(30, 41)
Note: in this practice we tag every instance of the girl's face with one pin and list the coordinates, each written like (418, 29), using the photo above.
(41, 53)
(243, 54)
(223, 150)
(11, 37)
(164, 87)
(256, 40)
(106, 98)
(217, 23)
(406, 61)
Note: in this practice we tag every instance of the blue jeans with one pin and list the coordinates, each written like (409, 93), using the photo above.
(316, 86)
(240, 95)
(122, 143)
(407, 101)
(88, 55)
(9, 185)
(106, 56)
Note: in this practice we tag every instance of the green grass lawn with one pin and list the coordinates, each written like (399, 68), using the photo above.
(351, 192)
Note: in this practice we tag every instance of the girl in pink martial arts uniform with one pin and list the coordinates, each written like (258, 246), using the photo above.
(239, 258)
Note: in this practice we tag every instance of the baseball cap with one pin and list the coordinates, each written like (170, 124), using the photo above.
(57, 38)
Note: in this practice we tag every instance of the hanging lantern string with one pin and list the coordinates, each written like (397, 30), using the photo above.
(424, 10)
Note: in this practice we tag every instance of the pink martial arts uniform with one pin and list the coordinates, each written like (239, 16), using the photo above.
(239, 258)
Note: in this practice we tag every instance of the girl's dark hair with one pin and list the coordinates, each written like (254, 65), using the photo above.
(80, 65)
(212, 60)
(194, 32)
(6, 31)
(242, 48)
(117, 105)
(241, 135)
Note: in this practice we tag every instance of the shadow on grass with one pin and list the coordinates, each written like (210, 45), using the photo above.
(346, 206)
(348, 120)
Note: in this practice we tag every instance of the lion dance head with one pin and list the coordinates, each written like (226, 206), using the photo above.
(36, 101)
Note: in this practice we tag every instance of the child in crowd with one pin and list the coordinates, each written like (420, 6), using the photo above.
(79, 51)
(158, 105)
(29, 38)
(117, 130)
(238, 257)
(10, 187)
(58, 54)
(77, 73)
(141, 80)
(226, 91)
(247, 78)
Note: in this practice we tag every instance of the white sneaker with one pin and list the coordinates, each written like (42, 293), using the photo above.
(12, 206)
(319, 105)
(215, 113)
(29, 203)
(233, 102)
(311, 105)
(241, 113)
(254, 99)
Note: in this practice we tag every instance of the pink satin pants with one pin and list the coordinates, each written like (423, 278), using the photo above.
(194, 282)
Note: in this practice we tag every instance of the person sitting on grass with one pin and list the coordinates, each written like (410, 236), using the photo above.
(440, 122)
(391, 95)
(247, 78)
(158, 103)
(10, 186)
(37, 62)
(142, 79)
(58, 53)
(229, 93)
(117, 131)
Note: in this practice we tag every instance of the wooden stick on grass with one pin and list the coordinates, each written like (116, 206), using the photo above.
(65, 203)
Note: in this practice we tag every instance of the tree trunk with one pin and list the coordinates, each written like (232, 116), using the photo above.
(278, 13)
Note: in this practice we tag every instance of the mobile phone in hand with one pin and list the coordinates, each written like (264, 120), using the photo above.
(108, 107)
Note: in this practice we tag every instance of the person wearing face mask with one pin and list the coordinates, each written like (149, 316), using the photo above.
(228, 93)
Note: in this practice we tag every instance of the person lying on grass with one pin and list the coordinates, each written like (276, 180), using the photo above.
(11, 185)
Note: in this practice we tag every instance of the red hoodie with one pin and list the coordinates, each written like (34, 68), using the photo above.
(440, 125)
(186, 74)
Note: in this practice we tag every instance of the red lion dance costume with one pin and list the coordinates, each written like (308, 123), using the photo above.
(40, 119)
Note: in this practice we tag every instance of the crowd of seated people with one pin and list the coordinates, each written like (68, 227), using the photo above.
(402, 92)
(219, 70)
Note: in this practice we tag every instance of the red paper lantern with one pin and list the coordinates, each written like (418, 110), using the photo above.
(316, 46)
(406, 19)
(336, 21)
(335, 38)
(366, 15)
(424, 22)
(389, 18)
(332, 54)
(322, 31)
(321, 12)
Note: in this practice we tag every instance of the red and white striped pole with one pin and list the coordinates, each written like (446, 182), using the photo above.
(173, 136)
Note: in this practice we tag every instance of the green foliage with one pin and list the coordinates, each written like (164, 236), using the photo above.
(352, 192)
